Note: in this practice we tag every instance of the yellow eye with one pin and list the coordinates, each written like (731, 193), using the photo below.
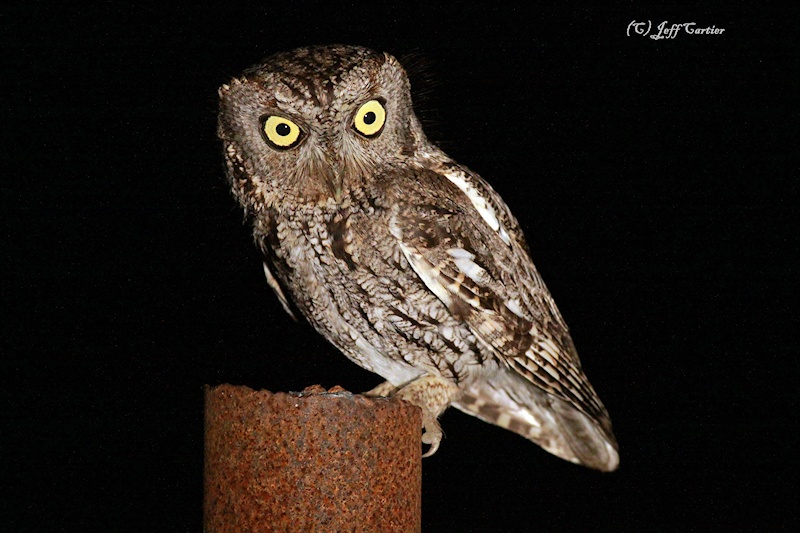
(370, 118)
(281, 132)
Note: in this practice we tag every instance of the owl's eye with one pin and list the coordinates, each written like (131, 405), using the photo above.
(281, 132)
(370, 118)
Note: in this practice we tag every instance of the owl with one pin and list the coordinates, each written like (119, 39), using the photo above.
(405, 260)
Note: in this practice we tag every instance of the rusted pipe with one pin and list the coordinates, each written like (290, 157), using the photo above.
(311, 461)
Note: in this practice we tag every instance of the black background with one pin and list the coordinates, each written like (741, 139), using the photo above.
(652, 179)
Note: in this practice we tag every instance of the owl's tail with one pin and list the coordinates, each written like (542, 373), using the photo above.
(507, 400)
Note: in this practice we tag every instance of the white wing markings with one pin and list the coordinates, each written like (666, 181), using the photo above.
(479, 202)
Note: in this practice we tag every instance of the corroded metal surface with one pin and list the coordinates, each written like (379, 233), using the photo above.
(312, 461)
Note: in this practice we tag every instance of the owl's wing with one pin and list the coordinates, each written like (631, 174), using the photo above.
(275, 267)
(462, 242)
(276, 287)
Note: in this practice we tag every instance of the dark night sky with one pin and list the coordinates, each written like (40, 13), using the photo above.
(653, 180)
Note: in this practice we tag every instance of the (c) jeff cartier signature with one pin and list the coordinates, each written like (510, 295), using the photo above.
(671, 31)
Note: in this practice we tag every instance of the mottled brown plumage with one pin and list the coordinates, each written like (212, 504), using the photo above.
(406, 261)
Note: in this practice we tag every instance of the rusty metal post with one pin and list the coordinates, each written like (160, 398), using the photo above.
(312, 461)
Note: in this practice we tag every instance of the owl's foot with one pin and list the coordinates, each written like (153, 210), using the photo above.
(433, 431)
(433, 395)
(385, 390)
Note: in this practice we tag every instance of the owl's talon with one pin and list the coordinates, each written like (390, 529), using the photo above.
(432, 436)
(431, 450)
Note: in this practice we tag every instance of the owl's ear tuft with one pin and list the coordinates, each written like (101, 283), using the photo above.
(225, 89)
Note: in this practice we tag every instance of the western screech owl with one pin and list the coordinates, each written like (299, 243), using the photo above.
(408, 262)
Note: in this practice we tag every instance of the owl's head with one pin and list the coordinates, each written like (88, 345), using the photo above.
(313, 124)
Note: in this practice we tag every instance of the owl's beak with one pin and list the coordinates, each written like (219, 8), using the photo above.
(336, 181)
(333, 173)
